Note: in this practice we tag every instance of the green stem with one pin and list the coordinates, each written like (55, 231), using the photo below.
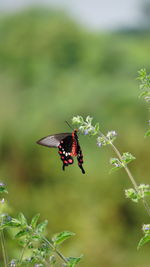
(131, 177)
(22, 253)
(3, 249)
(145, 203)
(125, 167)
(55, 249)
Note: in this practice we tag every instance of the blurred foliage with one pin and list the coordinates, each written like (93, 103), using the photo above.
(50, 70)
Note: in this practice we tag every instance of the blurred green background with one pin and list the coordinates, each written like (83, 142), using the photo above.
(50, 70)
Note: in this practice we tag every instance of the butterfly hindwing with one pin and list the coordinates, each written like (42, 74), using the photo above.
(65, 149)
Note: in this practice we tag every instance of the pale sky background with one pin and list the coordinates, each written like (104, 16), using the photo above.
(94, 14)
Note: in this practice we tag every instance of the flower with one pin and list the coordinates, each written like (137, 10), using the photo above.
(2, 201)
(86, 131)
(78, 119)
(111, 135)
(101, 141)
(13, 263)
(2, 184)
(146, 228)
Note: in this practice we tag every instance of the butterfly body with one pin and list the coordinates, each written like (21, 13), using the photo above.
(68, 147)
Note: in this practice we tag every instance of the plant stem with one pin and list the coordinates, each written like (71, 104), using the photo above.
(3, 249)
(146, 206)
(22, 253)
(130, 177)
(145, 203)
(55, 249)
(125, 167)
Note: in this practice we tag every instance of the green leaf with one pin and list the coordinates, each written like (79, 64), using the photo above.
(144, 93)
(127, 157)
(36, 236)
(72, 261)
(147, 133)
(115, 169)
(30, 245)
(146, 193)
(14, 223)
(89, 119)
(22, 219)
(142, 73)
(61, 237)
(21, 233)
(145, 239)
(97, 127)
(35, 220)
(77, 120)
(41, 226)
(3, 188)
(132, 194)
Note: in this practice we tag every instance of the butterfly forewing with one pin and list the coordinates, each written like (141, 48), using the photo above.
(52, 140)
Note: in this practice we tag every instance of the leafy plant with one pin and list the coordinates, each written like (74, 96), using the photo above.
(145, 89)
(138, 192)
(31, 237)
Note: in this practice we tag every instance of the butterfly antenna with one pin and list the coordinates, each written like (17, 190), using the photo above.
(69, 125)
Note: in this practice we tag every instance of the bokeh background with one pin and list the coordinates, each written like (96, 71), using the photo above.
(64, 58)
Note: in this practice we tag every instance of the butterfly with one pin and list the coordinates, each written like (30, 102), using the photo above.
(68, 147)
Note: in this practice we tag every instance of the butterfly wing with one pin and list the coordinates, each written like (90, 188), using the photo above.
(64, 150)
(52, 140)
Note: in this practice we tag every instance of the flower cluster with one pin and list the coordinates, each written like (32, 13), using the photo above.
(146, 228)
(145, 82)
(122, 162)
(86, 126)
(103, 140)
(116, 162)
(146, 238)
(135, 196)
(127, 157)
(111, 135)
(145, 89)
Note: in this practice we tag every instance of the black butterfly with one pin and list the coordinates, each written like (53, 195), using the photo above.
(68, 147)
